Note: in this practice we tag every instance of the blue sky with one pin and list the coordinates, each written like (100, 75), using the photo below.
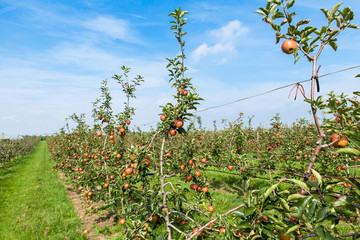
(54, 54)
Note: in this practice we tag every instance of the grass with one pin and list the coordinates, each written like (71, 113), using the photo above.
(34, 203)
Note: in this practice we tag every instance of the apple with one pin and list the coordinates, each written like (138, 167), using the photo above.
(162, 117)
(289, 46)
(154, 218)
(128, 171)
(121, 130)
(179, 123)
(172, 132)
(195, 230)
(210, 209)
(341, 143)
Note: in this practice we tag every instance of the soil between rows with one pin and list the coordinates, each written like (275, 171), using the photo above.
(93, 220)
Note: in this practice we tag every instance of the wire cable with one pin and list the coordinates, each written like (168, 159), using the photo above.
(273, 90)
(269, 91)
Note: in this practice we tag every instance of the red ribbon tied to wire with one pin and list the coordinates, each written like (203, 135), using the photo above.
(298, 86)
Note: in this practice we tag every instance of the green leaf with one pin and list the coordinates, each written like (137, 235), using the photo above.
(317, 176)
(300, 184)
(311, 210)
(357, 76)
(292, 229)
(283, 22)
(326, 12)
(320, 232)
(260, 12)
(290, 4)
(334, 9)
(295, 196)
(302, 204)
(275, 2)
(322, 213)
(349, 150)
(270, 190)
(353, 25)
(333, 45)
(244, 224)
(284, 204)
(344, 200)
(303, 22)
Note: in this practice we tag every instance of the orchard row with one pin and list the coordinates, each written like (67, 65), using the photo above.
(283, 182)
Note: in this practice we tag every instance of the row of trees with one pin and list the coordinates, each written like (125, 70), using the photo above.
(13, 148)
(141, 176)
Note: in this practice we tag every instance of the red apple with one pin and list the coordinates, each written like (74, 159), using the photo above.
(341, 143)
(172, 132)
(289, 46)
(179, 123)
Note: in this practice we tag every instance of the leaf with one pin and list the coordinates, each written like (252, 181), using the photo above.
(357, 76)
(349, 150)
(333, 45)
(290, 4)
(311, 210)
(334, 9)
(278, 15)
(283, 22)
(239, 213)
(344, 200)
(260, 12)
(320, 232)
(292, 229)
(295, 196)
(300, 184)
(244, 224)
(284, 204)
(275, 2)
(353, 25)
(302, 204)
(270, 190)
(322, 213)
(326, 12)
(317, 176)
(302, 22)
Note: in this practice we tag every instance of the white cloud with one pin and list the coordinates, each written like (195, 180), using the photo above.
(113, 27)
(226, 39)
(8, 117)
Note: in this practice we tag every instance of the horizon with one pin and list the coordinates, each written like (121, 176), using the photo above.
(55, 55)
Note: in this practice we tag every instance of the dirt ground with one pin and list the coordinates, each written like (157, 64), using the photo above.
(88, 219)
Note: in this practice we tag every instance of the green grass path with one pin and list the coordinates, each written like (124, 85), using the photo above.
(34, 203)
